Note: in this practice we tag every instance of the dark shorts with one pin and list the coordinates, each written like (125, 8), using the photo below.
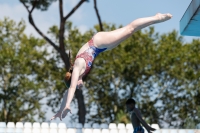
(138, 129)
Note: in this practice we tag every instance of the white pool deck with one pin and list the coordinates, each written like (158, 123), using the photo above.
(190, 22)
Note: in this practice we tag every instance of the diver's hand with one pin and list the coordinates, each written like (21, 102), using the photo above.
(150, 129)
(61, 114)
(58, 114)
(65, 112)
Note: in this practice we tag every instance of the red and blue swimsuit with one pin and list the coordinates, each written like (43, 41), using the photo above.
(89, 55)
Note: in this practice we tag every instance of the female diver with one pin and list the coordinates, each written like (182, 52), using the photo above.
(100, 42)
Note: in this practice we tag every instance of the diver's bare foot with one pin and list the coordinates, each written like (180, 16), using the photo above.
(162, 17)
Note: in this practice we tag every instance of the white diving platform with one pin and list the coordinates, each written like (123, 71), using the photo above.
(190, 22)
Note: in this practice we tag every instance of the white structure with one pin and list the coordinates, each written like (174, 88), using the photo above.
(190, 22)
(36, 127)
(44, 127)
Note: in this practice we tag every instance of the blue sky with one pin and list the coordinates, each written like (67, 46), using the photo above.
(111, 11)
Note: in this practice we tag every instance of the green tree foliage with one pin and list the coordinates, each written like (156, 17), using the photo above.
(181, 89)
(160, 72)
(60, 45)
(120, 73)
(27, 73)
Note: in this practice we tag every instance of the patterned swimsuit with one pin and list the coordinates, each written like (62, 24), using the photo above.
(89, 55)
